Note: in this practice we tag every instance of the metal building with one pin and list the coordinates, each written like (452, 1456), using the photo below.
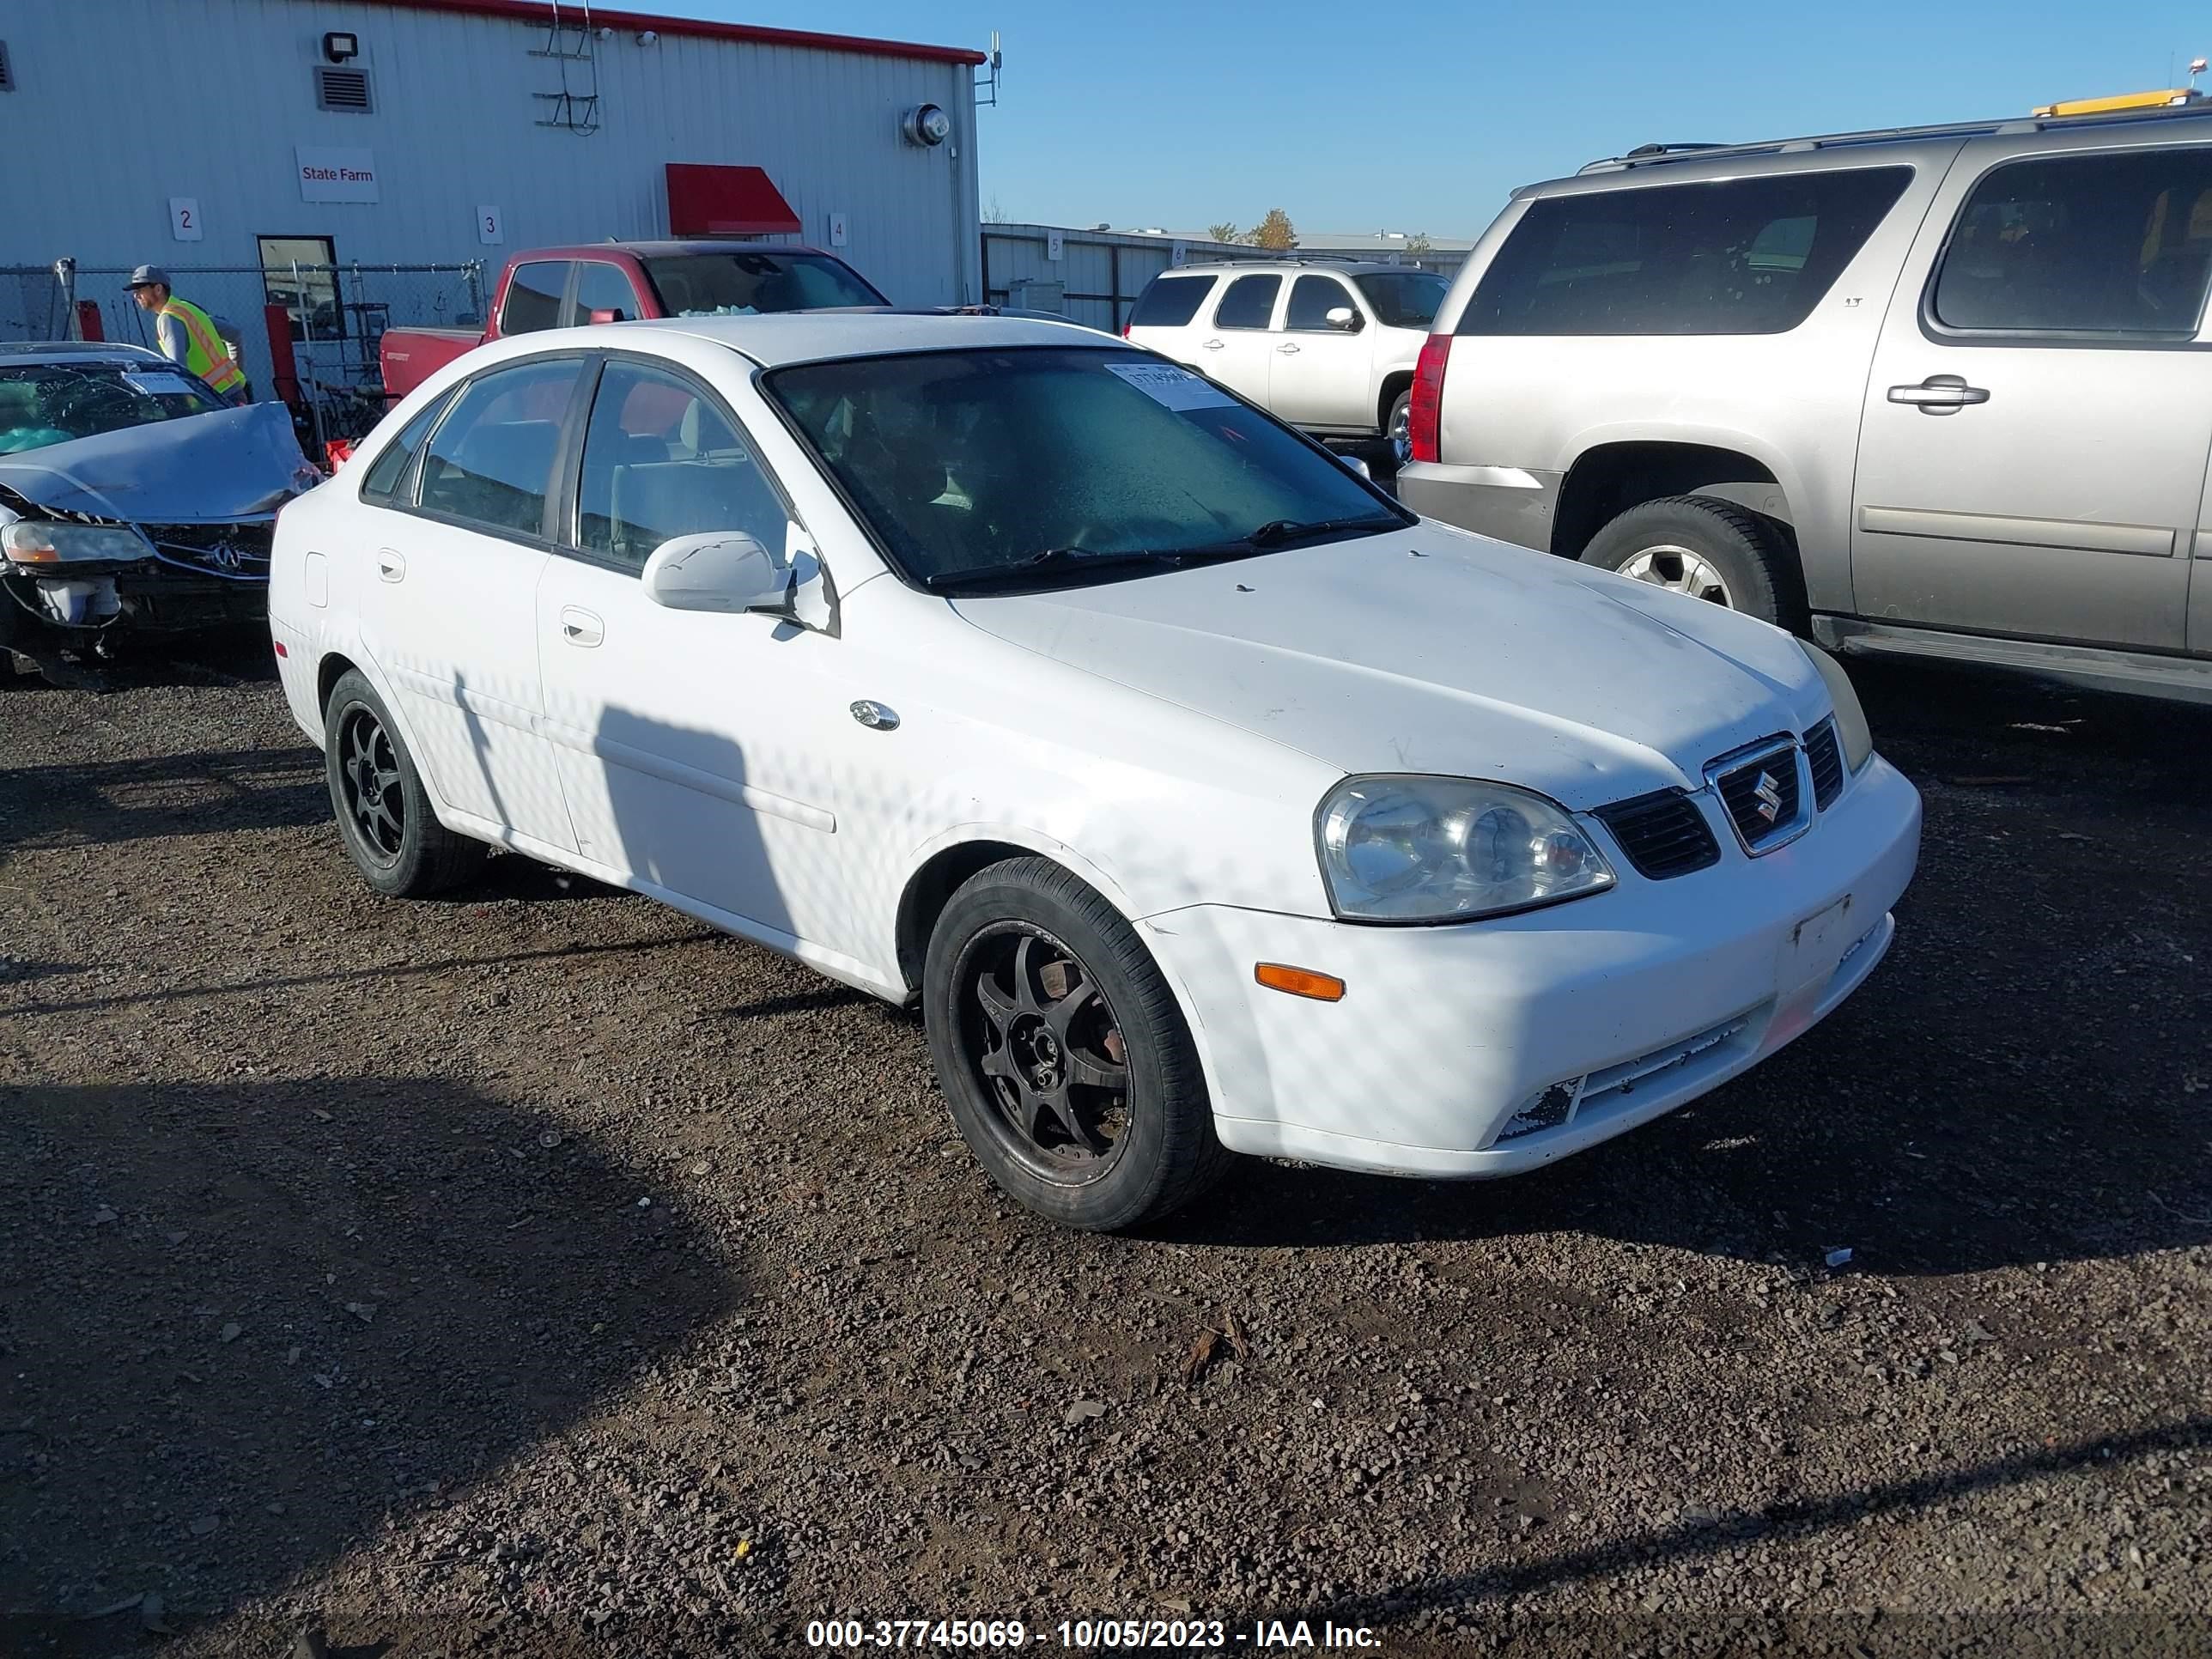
(236, 137)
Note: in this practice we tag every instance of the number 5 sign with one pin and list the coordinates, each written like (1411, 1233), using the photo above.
(488, 227)
(184, 218)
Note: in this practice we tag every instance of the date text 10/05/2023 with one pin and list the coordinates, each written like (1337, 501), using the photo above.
(1089, 1635)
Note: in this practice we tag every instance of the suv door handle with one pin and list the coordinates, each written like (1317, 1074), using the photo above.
(1212, 345)
(580, 627)
(1939, 394)
(1287, 349)
(390, 567)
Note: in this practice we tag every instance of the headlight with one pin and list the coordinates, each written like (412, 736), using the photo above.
(36, 541)
(1851, 718)
(1449, 849)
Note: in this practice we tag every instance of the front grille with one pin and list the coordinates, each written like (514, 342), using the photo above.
(1826, 758)
(1663, 834)
(237, 550)
(1760, 797)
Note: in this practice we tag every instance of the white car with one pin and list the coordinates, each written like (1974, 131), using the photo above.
(1204, 797)
(1329, 345)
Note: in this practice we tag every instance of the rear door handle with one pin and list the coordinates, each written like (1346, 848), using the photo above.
(390, 567)
(1939, 394)
(1212, 345)
(1287, 349)
(580, 627)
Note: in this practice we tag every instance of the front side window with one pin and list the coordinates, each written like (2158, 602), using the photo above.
(603, 287)
(388, 474)
(1250, 302)
(660, 460)
(1404, 298)
(533, 297)
(2105, 244)
(1045, 465)
(1739, 256)
(1312, 298)
(43, 404)
(491, 460)
(1170, 301)
(739, 284)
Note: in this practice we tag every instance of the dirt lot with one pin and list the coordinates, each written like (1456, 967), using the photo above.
(538, 1273)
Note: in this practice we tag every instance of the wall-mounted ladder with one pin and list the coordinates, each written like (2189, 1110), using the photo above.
(572, 45)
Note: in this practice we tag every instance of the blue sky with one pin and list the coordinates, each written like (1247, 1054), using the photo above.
(1420, 117)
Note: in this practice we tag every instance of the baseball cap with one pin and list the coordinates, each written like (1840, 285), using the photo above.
(147, 274)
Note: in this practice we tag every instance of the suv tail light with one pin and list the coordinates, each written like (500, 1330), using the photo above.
(1127, 326)
(1423, 413)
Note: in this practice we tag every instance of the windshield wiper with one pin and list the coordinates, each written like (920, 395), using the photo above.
(1277, 532)
(1071, 558)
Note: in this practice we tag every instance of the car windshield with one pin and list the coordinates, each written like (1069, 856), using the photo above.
(1040, 465)
(1404, 298)
(43, 404)
(741, 284)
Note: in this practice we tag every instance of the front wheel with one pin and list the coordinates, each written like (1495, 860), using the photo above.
(1062, 1054)
(1705, 548)
(390, 833)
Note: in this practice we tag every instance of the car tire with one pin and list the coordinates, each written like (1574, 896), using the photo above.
(1710, 549)
(1029, 1068)
(1398, 428)
(384, 818)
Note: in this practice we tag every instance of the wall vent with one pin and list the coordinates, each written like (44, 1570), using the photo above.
(346, 89)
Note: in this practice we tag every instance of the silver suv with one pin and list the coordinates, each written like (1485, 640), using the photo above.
(1941, 391)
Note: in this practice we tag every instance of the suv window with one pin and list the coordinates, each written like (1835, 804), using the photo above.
(489, 461)
(1170, 301)
(603, 287)
(389, 474)
(1741, 256)
(2114, 244)
(533, 297)
(1404, 298)
(1312, 298)
(662, 459)
(1250, 302)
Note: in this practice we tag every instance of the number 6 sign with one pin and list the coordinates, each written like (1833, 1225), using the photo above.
(488, 227)
(184, 218)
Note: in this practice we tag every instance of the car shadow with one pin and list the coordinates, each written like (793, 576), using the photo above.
(100, 803)
(347, 1298)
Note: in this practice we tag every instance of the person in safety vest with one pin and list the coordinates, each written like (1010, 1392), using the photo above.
(187, 334)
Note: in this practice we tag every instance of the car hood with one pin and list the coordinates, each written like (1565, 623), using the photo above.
(1432, 651)
(230, 464)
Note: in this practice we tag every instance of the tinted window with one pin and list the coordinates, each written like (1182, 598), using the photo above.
(390, 470)
(1250, 302)
(972, 461)
(1745, 256)
(2095, 243)
(533, 297)
(490, 460)
(601, 287)
(660, 459)
(1312, 298)
(739, 284)
(1170, 301)
(1404, 298)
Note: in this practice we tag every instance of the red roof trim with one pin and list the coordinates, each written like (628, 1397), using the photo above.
(532, 12)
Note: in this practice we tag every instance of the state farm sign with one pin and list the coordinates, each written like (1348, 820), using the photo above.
(336, 175)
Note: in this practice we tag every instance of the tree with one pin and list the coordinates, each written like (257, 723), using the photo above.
(1225, 232)
(1419, 243)
(1275, 232)
(994, 214)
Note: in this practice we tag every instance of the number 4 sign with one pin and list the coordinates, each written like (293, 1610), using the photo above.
(184, 218)
(488, 227)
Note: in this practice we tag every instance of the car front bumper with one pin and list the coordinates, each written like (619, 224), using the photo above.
(1602, 1012)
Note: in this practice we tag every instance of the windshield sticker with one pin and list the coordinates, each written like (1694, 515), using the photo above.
(159, 383)
(1176, 388)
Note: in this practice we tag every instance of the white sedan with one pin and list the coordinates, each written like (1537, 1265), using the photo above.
(1206, 799)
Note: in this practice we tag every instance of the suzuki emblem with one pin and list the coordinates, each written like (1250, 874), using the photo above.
(1769, 796)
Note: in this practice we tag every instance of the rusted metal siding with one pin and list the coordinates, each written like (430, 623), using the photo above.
(121, 105)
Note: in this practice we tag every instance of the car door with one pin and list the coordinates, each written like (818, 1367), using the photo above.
(1319, 374)
(1237, 349)
(2034, 440)
(693, 767)
(449, 611)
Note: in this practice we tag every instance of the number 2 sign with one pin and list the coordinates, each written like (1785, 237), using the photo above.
(488, 227)
(184, 218)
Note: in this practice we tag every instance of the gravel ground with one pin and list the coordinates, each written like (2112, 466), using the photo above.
(537, 1273)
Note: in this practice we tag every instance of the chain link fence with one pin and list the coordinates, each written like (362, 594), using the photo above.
(336, 317)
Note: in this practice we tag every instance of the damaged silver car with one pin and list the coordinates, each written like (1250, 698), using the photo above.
(133, 499)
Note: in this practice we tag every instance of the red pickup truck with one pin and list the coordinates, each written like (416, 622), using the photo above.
(620, 281)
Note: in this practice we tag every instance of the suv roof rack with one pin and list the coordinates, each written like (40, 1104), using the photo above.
(1645, 156)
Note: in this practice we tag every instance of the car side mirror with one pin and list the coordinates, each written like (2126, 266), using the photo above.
(1359, 463)
(724, 571)
(1343, 318)
(603, 315)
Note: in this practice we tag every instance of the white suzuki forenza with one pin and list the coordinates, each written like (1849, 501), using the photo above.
(1205, 799)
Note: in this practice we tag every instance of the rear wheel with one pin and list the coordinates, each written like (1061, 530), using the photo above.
(1706, 548)
(1398, 427)
(390, 832)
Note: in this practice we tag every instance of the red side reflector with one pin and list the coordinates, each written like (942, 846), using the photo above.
(1299, 981)
(280, 651)
(1425, 412)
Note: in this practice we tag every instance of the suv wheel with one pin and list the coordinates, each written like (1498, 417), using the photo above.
(1709, 550)
(1399, 428)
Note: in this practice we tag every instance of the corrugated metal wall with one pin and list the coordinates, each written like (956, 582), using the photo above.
(121, 105)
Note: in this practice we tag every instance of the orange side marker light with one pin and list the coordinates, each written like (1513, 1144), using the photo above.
(1299, 981)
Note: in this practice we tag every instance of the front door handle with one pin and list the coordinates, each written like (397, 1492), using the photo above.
(390, 566)
(1287, 349)
(1939, 394)
(1212, 345)
(580, 627)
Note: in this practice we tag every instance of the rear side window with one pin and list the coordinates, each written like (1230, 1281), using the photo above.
(533, 297)
(388, 476)
(2116, 243)
(490, 461)
(1250, 302)
(1741, 256)
(1170, 301)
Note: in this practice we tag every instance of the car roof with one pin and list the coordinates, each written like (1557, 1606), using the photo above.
(665, 249)
(777, 339)
(1292, 261)
(56, 351)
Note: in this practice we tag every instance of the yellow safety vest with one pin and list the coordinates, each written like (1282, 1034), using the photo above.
(205, 354)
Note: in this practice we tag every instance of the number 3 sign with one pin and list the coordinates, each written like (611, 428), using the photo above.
(184, 218)
(488, 228)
